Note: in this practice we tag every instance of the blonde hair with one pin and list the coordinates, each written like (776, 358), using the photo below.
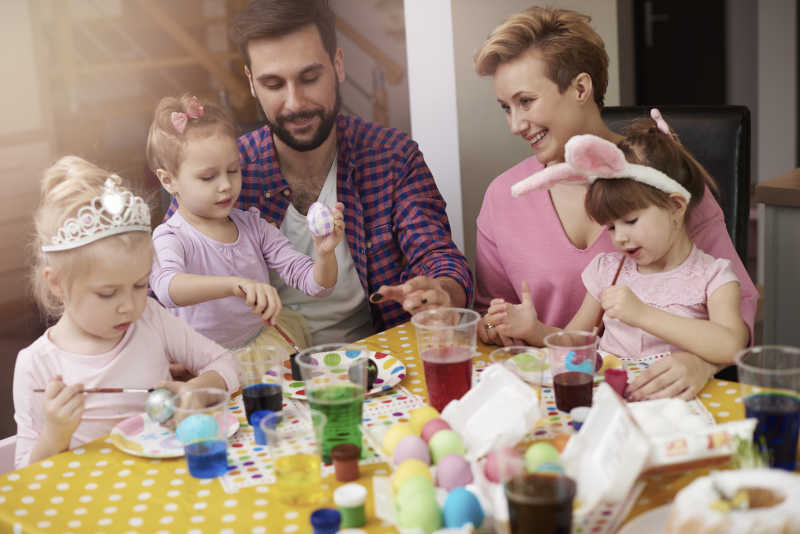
(67, 186)
(566, 42)
(165, 144)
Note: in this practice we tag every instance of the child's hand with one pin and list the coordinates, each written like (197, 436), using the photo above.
(327, 244)
(619, 302)
(513, 320)
(63, 409)
(263, 298)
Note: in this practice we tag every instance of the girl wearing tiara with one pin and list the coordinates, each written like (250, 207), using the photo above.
(93, 258)
(213, 260)
(658, 293)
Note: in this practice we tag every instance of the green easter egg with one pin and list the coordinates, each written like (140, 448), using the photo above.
(445, 442)
(528, 362)
(541, 453)
(415, 484)
(419, 510)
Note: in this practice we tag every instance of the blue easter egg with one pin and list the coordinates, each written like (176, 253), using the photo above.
(197, 427)
(549, 467)
(586, 366)
(462, 507)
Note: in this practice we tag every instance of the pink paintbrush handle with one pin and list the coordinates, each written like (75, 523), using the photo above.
(108, 390)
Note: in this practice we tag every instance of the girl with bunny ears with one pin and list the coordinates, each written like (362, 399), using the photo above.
(668, 295)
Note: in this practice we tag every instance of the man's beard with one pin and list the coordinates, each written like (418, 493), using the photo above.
(327, 123)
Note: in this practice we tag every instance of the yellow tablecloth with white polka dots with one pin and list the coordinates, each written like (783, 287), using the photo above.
(97, 488)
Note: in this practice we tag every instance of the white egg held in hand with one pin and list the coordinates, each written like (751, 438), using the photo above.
(320, 219)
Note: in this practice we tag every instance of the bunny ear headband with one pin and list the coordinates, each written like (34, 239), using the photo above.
(589, 158)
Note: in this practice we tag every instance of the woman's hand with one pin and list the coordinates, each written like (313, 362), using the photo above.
(513, 321)
(680, 374)
(263, 298)
(327, 244)
(63, 409)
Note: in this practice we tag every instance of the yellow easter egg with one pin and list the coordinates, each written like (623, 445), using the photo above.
(420, 416)
(408, 469)
(610, 362)
(394, 435)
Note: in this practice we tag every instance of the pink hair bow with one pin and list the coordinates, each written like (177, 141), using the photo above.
(179, 119)
(655, 114)
(588, 158)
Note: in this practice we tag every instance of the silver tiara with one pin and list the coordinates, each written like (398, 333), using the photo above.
(116, 211)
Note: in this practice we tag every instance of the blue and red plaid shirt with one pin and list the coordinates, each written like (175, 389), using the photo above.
(395, 219)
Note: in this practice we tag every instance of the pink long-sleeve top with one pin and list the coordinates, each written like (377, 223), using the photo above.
(140, 360)
(522, 239)
(181, 248)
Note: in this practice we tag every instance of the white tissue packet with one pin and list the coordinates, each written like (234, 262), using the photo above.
(606, 457)
(497, 412)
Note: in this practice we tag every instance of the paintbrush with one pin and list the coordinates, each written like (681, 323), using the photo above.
(108, 390)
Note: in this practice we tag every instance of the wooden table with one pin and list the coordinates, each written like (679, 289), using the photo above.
(98, 488)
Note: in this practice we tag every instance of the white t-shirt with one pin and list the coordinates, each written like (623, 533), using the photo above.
(344, 314)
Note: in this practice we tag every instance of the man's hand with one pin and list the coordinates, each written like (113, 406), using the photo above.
(418, 294)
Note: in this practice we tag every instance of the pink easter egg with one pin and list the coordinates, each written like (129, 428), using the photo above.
(411, 447)
(453, 471)
(432, 427)
(505, 459)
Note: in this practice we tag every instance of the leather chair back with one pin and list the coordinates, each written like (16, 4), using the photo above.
(719, 138)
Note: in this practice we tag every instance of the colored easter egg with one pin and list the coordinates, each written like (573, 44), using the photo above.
(419, 511)
(503, 463)
(540, 453)
(416, 484)
(432, 427)
(394, 435)
(453, 471)
(572, 363)
(411, 447)
(419, 416)
(462, 507)
(445, 442)
(320, 219)
(160, 405)
(197, 427)
(410, 468)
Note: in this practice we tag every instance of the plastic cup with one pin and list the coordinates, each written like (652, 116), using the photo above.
(260, 374)
(203, 430)
(540, 499)
(528, 363)
(769, 382)
(335, 378)
(573, 355)
(293, 441)
(447, 339)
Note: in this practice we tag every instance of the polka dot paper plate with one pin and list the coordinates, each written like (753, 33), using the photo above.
(390, 371)
(140, 436)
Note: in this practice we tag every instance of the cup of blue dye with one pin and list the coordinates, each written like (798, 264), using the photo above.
(260, 374)
(202, 428)
(255, 421)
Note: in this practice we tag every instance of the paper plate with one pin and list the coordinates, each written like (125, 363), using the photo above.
(390, 372)
(651, 522)
(140, 436)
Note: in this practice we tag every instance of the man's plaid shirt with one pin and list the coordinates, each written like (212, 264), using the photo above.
(395, 219)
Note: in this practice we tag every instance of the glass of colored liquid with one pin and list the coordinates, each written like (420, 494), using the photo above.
(335, 378)
(769, 381)
(540, 499)
(202, 427)
(293, 440)
(573, 355)
(446, 339)
(260, 372)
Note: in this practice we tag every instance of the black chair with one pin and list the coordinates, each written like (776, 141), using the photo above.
(719, 137)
